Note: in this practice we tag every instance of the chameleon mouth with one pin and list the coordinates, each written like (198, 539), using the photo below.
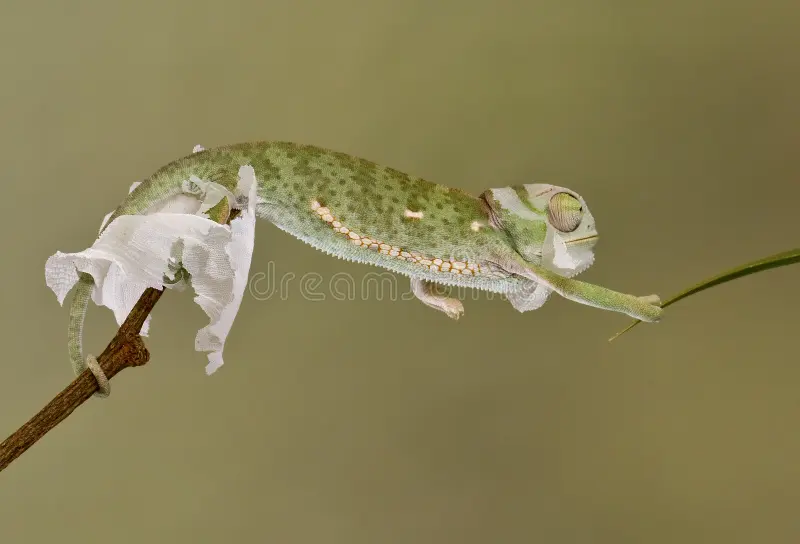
(583, 240)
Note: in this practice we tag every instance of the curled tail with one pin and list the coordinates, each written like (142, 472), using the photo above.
(163, 185)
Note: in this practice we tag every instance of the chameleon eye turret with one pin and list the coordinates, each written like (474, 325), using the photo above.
(565, 212)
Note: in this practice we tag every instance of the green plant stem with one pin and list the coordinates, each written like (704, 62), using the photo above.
(774, 261)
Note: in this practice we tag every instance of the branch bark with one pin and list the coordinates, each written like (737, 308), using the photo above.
(125, 350)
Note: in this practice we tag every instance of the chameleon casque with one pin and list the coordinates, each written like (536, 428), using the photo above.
(525, 241)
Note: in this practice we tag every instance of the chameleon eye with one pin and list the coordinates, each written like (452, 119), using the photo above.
(565, 212)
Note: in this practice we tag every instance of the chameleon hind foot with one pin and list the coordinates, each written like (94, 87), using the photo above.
(425, 292)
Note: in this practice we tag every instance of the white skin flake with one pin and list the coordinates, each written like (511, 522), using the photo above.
(137, 251)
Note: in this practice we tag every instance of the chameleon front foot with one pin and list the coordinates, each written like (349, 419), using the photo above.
(424, 291)
(654, 300)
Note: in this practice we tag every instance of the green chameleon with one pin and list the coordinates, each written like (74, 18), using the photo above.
(523, 241)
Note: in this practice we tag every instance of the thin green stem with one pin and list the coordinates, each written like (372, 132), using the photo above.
(779, 259)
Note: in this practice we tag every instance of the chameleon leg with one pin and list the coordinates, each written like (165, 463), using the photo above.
(645, 308)
(424, 291)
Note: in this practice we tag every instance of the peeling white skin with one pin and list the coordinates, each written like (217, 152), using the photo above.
(137, 251)
(238, 248)
(509, 200)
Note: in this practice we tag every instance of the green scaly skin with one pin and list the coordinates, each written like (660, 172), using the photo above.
(372, 201)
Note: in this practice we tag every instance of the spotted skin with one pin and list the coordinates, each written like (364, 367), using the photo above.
(367, 199)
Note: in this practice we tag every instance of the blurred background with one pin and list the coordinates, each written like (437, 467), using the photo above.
(374, 421)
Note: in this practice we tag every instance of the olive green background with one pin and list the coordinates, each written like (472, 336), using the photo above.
(371, 421)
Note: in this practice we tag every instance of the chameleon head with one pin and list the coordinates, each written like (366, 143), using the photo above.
(547, 224)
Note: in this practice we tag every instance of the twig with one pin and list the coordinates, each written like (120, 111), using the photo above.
(773, 261)
(125, 350)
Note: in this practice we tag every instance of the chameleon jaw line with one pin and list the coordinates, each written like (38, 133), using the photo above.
(584, 239)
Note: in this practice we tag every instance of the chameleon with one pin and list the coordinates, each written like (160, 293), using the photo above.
(524, 241)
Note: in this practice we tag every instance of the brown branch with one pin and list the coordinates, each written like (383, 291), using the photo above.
(125, 350)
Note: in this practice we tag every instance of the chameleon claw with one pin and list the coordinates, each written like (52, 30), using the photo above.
(651, 312)
(452, 307)
(425, 292)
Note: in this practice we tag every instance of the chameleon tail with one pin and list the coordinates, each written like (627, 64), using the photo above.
(164, 184)
(77, 314)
